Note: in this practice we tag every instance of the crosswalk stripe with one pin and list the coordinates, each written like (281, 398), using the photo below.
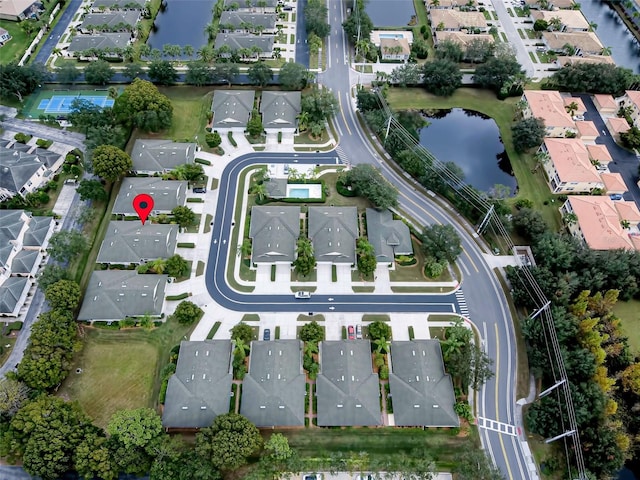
(496, 426)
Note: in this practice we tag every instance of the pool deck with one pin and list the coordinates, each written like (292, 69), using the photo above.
(314, 190)
(376, 35)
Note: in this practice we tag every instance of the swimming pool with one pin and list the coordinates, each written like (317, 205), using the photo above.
(298, 193)
(391, 35)
(296, 190)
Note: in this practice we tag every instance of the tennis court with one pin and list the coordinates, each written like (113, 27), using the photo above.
(62, 103)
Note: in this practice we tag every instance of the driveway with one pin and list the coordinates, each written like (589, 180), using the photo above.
(624, 162)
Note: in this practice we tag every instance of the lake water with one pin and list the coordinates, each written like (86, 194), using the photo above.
(182, 23)
(471, 141)
(390, 13)
(613, 33)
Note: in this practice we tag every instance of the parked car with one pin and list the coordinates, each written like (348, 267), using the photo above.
(351, 332)
(303, 294)
(266, 334)
(358, 332)
(313, 476)
(364, 477)
(615, 196)
(199, 190)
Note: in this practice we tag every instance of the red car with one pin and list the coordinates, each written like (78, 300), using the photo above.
(352, 333)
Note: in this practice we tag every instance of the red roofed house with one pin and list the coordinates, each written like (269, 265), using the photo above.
(631, 98)
(601, 222)
(616, 126)
(613, 183)
(605, 104)
(569, 169)
(549, 106)
(587, 131)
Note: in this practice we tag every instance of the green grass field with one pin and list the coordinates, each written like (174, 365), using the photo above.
(120, 369)
(531, 186)
(13, 50)
(190, 107)
(629, 314)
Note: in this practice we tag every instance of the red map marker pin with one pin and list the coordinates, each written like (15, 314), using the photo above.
(143, 204)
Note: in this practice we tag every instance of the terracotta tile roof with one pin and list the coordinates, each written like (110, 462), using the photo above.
(613, 183)
(462, 38)
(588, 42)
(634, 96)
(599, 222)
(628, 211)
(571, 160)
(549, 106)
(619, 125)
(572, 19)
(457, 20)
(562, 61)
(587, 129)
(599, 153)
(606, 101)
(578, 101)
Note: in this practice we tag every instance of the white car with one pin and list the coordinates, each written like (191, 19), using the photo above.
(303, 294)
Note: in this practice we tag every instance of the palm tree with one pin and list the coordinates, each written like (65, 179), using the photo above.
(244, 250)
(570, 219)
(593, 26)
(382, 345)
(206, 53)
(555, 23)
(310, 348)
(606, 51)
(450, 346)
(211, 30)
(571, 108)
(541, 159)
(303, 120)
(626, 224)
(158, 265)
(187, 51)
(260, 190)
(435, 3)
(241, 347)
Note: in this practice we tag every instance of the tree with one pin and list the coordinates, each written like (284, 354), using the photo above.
(260, 74)
(293, 76)
(449, 50)
(67, 73)
(441, 242)
(473, 464)
(441, 77)
(136, 428)
(311, 332)
(242, 331)
(528, 133)
(110, 163)
(278, 447)
(305, 261)
(18, 81)
(358, 25)
(92, 190)
(529, 224)
(320, 104)
(479, 51)
(497, 72)
(191, 172)
(176, 266)
(366, 181)
(315, 14)
(198, 74)
(592, 78)
(13, 395)
(571, 108)
(480, 368)
(63, 295)
(162, 72)
(184, 216)
(540, 25)
(229, 441)
(50, 274)
(367, 262)
(631, 138)
(187, 312)
(378, 330)
(98, 73)
(142, 105)
(225, 73)
(131, 71)
(93, 458)
(382, 345)
(254, 125)
(407, 74)
(66, 244)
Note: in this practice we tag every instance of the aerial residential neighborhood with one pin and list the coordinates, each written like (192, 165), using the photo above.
(319, 240)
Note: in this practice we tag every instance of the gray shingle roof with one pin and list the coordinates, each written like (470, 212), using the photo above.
(422, 393)
(276, 187)
(132, 242)
(273, 391)
(254, 3)
(161, 155)
(48, 157)
(16, 168)
(280, 109)
(267, 20)
(236, 41)
(200, 389)
(80, 43)
(348, 390)
(275, 231)
(333, 231)
(388, 236)
(24, 262)
(119, 4)
(114, 295)
(11, 224)
(37, 231)
(10, 292)
(166, 194)
(112, 19)
(232, 108)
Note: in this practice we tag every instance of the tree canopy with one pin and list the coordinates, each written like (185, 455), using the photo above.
(260, 74)
(183, 215)
(187, 312)
(497, 72)
(136, 428)
(19, 81)
(320, 104)
(66, 244)
(441, 77)
(315, 14)
(242, 331)
(162, 72)
(311, 332)
(98, 72)
(592, 78)
(92, 190)
(110, 163)
(367, 181)
(293, 76)
(441, 242)
(528, 133)
(142, 105)
(63, 295)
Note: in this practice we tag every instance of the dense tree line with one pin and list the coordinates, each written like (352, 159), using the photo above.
(593, 78)
(583, 286)
(18, 82)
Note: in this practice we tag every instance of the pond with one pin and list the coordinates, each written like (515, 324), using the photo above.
(390, 13)
(182, 22)
(472, 141)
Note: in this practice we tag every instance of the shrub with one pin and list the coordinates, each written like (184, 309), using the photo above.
(433, 269)
(186, 245)
(279, 137)
(383, 373)
(523, 203)
(42, 143)
(213, 139)
(231, 139)
(344, 191)
(182, 296)
(202, 161)
(107, 325)
(127, 323)
(22, 138)
(195, 200)
(378, 360)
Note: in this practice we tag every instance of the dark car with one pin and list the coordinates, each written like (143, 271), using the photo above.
(615, 196)
(266, 335)
(352, 333)
(199, 190)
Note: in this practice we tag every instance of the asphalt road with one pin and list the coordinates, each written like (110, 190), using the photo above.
(487, 304)
(56, 32)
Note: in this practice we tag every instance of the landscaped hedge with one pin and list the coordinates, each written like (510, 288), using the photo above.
(107, 325)
(405, 261)
(186, 245)
(195, 200)
(231, 139)
(14, 326)
(213, 330)
(182, 296)
(342, 190)
(202, 161)
(42, 143)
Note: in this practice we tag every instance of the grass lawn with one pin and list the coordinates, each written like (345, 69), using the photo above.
(382, 444)
(629, 314)
(120, 369)
(531, 186)
(14, 48)
(190, 107)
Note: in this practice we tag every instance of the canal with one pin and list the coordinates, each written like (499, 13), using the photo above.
(613, 33)
(182, 22)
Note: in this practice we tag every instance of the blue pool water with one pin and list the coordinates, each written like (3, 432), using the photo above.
(299, 193)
